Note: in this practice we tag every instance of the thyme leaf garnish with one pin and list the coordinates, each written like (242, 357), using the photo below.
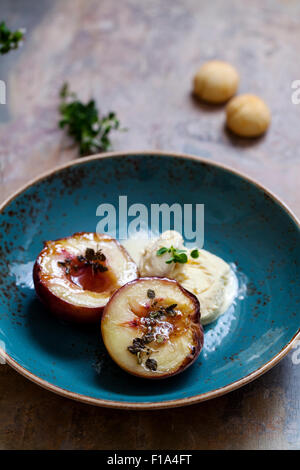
(90, 258)
(160, 338)
(84, 123)
(161, 251)
(151, 364)
(177, 256)
(10, 40)
(148, 338)
(150, 294)
(138, 346)
(170, 310)
(91, 255)
(156, 314)
(195, 253)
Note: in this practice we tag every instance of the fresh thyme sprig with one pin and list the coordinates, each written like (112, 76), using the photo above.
(177, 256)
(83, 123)
(10, 40)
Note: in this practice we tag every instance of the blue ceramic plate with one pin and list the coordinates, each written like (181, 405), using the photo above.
(244, 224)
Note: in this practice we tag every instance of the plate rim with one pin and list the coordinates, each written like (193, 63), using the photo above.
(150, 405)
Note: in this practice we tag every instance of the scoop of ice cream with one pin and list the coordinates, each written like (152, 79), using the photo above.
(208, 277)
(152, 265)
(211, 280)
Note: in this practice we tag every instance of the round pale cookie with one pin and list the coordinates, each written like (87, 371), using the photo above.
(216, 81)
(247, 116)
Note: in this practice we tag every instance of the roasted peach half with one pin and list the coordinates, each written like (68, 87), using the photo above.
(151, 327)
(76, 276)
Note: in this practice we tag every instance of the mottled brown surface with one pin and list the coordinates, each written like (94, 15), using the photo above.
(138, 58)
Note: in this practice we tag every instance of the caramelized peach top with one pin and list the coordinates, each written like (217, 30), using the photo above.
(151, 327)
(85, 269)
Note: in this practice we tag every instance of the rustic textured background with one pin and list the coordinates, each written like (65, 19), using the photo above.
(138, 58)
